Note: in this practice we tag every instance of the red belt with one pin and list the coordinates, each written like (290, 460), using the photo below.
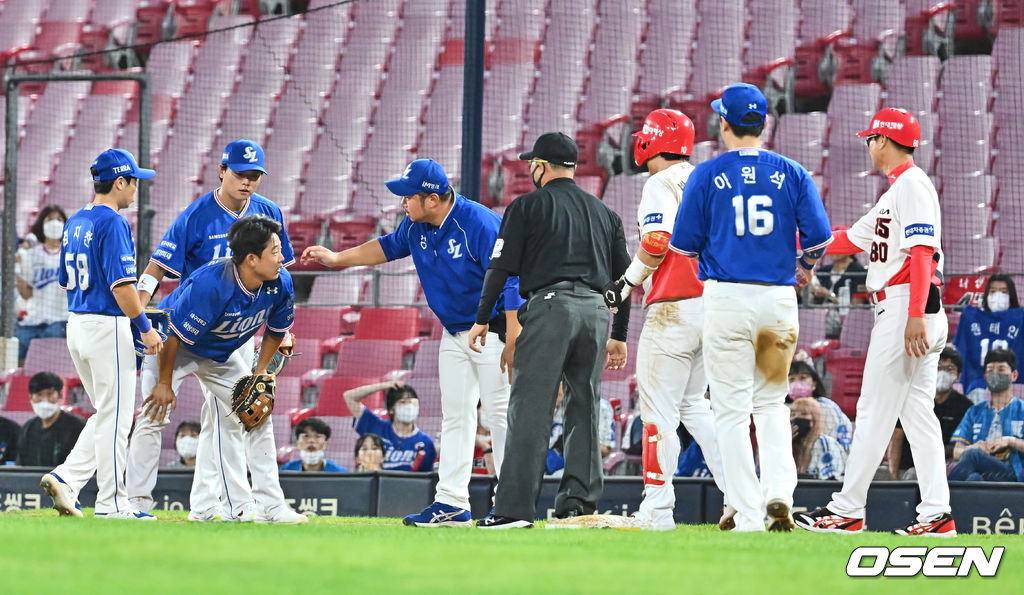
(877, 296)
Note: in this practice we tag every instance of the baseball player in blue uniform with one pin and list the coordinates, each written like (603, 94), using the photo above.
(199, 236)
(741, 213)
(98, 273)
(450, 238)
(212, 314)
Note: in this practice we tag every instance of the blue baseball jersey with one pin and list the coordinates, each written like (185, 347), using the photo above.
(975, 425)
(741, 213)
(329, 466)
(97, 253)
(214, 314)
(411, 453)
(979, 332)
(199, 235)
(692, 463)
(451, 261)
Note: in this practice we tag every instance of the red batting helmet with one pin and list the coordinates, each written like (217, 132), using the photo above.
(664, 131)
(898, 124)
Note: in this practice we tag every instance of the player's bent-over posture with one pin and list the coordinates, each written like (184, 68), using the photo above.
(450, 239)
(199, 236)
(213, 313)
(902, 232)
(98, 253)
(669, 362)
(741, 213)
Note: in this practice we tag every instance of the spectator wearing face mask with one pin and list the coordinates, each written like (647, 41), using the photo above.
(950, 407)
(46, 303)
(804, 382)
(407, 448)
(996, 325)
(369, 453)
(817, 455)
(311, 437)
(48, 437)
(989, 442)
(186, 443)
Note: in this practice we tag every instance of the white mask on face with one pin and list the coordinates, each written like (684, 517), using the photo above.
(998, 302)
(407, 413)
(312, 458)
(53, 229)
(944, 381)
(45, 409)
(187, 446)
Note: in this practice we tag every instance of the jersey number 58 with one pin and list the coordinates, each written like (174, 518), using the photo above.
(81, 278)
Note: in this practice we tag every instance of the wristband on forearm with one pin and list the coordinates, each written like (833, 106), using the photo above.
(148, 283)
(805, 264)
(141, 322)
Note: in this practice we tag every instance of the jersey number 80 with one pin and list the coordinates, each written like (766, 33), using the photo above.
(79, 278)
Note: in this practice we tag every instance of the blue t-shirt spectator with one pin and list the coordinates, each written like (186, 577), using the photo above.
(409, 453)
(329, 466)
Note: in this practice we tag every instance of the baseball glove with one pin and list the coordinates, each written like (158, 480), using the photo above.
(252, 399)
(160, 319)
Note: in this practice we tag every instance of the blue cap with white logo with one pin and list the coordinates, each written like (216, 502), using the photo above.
(243, 155)
(422, 175)
(117, 163)
(740, 100)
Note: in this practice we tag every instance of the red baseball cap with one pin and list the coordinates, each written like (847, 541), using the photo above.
(897, 124)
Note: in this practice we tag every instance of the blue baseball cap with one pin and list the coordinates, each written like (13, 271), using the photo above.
(116, 163)
(243, 155)
(739, 100)
(422, 175)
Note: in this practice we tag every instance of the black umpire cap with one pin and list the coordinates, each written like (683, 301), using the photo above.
(553, 147)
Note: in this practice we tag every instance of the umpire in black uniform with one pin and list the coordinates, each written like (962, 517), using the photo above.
(566, 246)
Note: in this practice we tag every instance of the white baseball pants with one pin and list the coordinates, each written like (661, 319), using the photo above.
(671, 381)
(468, 378)
(897, 386)
(104, 355)
(750, 333)
(145, 447)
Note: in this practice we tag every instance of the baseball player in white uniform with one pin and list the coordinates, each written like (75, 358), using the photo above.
(199, 236)
(450, 239)
(903, 235)
(742, 212)
(98, 252)
(669, 361)
(212, 314)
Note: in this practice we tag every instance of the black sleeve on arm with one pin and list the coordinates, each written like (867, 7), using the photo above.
(620, 323)
(494, 284)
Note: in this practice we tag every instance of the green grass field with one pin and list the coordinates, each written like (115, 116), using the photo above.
(45, 553)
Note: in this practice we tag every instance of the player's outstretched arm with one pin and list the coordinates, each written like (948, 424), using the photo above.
(354, 396)
(128, 300)
(368, 253)
(162, 401)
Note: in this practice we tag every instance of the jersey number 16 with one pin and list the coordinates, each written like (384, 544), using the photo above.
(758, 219)
(79, 278)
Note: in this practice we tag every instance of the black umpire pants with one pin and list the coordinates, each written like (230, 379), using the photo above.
(565, 329)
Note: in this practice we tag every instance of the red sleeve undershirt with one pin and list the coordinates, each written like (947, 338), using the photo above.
(841, 244)
(921, 269)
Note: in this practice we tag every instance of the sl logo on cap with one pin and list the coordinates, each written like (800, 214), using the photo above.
(405, 174)
(250, 154)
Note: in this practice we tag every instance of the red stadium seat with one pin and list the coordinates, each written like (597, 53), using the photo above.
(369, 357)
(847, 369)
(331, 400)
(312, 322)
(17, 391)
(388, 323)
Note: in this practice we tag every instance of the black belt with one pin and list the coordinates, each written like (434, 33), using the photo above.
(562, 285)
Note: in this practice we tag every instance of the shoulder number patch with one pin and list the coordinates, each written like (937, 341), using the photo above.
(498, 245)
